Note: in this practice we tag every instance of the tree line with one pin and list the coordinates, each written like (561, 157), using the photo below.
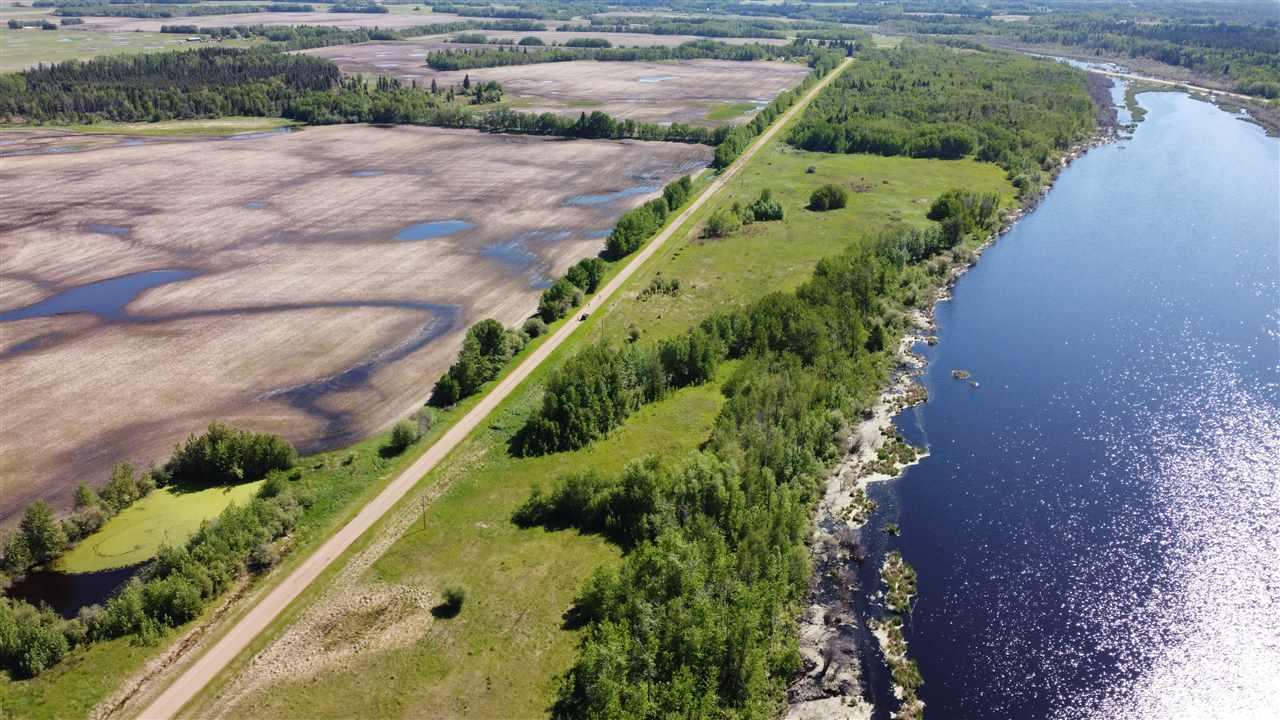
(699, 621)
(472, 58)
(168, 11)
(702, 26)
(208, 82)
(934, 102)
(304, 37)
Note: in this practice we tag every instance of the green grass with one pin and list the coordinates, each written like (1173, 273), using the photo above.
(725, 112)
(764, 257)
(21, 49)
(165, 517)
(497, 657)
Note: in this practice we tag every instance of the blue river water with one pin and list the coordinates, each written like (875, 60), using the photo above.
(1097, 526)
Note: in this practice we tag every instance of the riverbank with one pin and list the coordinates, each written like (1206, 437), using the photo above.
(831, 686)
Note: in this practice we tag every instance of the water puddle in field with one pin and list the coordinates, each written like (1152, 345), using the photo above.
(655, 78)
(108, 299)
(107, 229)
(259, 134)
(520, 259)
(309, 396)
(433, 229)
(66, 593)
(366, 173)
(598, 234)
(256, 204)
(606, 198)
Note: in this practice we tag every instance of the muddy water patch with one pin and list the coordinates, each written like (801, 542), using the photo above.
(339, 428)
(255, 204)
(433, 229)
(519, 258)
(366, 173)
(650, 79)
(108, 299)
(612, 197)
(107, 229)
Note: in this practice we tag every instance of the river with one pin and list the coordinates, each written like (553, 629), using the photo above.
(1097, 527)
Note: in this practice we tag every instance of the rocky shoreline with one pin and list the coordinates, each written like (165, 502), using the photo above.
(830, 687)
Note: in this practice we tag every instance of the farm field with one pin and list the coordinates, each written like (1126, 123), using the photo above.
(684, 91)
(260, 280)
(521, 581)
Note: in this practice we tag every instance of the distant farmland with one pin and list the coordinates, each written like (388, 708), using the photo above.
(280, 296)
(685, 91)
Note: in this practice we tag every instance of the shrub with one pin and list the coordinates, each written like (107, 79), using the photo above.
(403, 434)
(534, 327)
(531, 40)
(263, 557)
(31, 640)
(485, 351)
(454, 597)
(558, 300)
(765, 208)
(586, 274)
(722, 223)
(828, 197)
(42, 534)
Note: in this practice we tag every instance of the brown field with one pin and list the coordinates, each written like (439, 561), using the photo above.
(343, 20)
(306, 316)
(676, 91)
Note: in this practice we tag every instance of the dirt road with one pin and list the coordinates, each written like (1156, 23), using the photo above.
(186, 686)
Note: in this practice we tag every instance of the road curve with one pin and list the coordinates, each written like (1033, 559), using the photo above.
(230, 645)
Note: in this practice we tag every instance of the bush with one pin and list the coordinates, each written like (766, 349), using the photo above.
(263, 557)
(534, 327)
(403, 434)
(531, 40)
(485, 351)
(828, 197)
(586, 274)
(558, 300)
(765, 208)
(454, 597)
(41, 534)
(31, 640)
(722, 223)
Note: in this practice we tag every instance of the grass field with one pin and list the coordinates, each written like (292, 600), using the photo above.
(498, 658)
(165, 517)
(20, 49)
(725, 112)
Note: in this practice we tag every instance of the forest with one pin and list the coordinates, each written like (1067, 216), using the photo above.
(928, 101)
(699, 620)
